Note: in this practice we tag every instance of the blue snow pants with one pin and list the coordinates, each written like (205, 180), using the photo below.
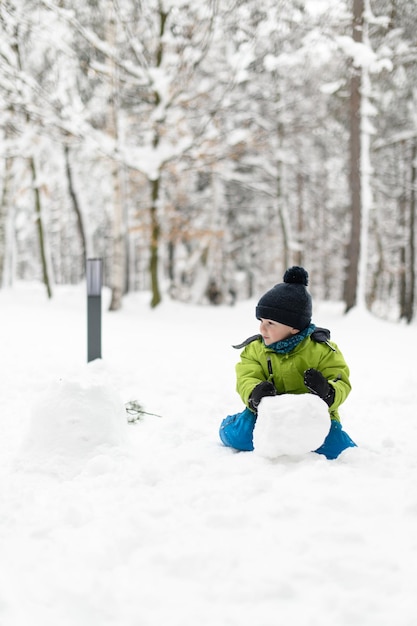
(236, 431)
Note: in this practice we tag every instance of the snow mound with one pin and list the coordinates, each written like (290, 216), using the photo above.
(76, 419)
(290, 425)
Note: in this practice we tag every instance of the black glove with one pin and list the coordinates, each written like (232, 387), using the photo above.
(265, 388)
(316, 383)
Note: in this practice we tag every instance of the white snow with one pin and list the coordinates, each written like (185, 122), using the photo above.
(361, 54)
(104, 523)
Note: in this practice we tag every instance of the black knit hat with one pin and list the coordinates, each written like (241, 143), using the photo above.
(289, 302)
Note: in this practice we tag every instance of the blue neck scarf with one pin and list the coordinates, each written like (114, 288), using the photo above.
(286, 345)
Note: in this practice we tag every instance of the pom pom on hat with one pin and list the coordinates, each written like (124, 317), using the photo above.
(296, 275)
(289, 302)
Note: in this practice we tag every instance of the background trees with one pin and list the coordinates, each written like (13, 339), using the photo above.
(202, 148)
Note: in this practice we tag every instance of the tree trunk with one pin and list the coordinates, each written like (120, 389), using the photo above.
(353, 249)
(282, 217)
(75, 204)
(410, 273)
(299, 251)
(39, 223)
(154, 246)
(5, 276)
(365, 169)
(118, 272)
(156, 183)
(119, 256)
(402, 224)
(285, 236)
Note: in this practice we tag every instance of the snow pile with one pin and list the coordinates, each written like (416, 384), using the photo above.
(290, 425)
(74, 420)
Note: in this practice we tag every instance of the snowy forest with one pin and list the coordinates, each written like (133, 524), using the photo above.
(202, 147)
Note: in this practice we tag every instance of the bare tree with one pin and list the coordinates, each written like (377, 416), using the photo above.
(353, 249)
(410, 275)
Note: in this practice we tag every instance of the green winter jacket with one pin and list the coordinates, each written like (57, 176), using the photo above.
(259, 363)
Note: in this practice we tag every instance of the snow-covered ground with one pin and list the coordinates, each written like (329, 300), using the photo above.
(105, 523)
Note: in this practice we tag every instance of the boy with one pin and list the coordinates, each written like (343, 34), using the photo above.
(290, 355)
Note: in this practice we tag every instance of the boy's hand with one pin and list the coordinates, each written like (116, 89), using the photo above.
(266, 388)
(316, 383)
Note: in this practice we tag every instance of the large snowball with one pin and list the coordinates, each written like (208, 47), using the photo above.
(75, 419)
(290, 424)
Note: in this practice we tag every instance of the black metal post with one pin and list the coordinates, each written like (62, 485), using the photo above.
(94, 284)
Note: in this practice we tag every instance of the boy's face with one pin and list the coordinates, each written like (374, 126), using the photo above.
(272, 331)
